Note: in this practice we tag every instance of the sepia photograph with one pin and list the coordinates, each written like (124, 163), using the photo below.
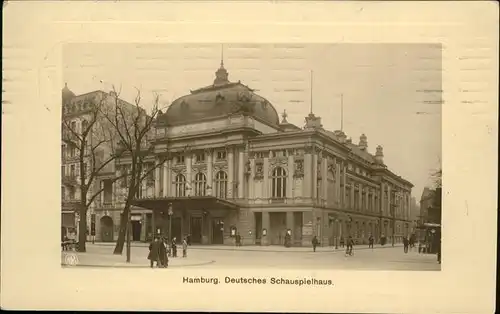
(251, 155)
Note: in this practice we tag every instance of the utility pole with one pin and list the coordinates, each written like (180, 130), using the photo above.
(129, 226)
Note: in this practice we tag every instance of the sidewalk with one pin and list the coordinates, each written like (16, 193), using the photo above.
(258, 248)
(97, 259)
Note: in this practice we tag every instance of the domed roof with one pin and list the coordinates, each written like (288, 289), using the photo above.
(220, 99)
(67, 94)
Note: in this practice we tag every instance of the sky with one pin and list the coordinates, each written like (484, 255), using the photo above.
(390, 92)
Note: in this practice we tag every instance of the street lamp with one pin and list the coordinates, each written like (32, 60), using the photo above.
(170, 213)
(337, 237)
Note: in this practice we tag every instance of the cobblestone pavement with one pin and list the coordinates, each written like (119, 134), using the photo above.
(387, 258)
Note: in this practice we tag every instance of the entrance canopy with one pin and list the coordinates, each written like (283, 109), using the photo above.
(183, 203)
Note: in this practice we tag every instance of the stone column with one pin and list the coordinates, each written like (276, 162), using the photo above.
(230, 173)
(210, 179)
(166, 179)
(189, 186)
(307, 183)
(343, 199)
(382, 199)
(289, 179)
(353, 188)
(267, 189)
(241, 174)
(143, 227)
(157, 181)
(360, 202)
(388, 205)
(324, 175)
(314, 184)
(251, 179)
(266, 224)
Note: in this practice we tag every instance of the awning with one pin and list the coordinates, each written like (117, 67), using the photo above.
(187, 202)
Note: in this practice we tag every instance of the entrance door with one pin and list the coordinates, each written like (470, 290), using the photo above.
(136, 230)
(217, 231)
(195, 229)
(106, 229)
(176, 228)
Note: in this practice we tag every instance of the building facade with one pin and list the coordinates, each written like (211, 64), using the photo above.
(225, 165)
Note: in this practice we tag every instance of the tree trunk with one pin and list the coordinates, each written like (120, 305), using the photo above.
(122, 233)
(82, 226)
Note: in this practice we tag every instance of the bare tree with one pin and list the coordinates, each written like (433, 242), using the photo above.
(134, 127)
(95, 149)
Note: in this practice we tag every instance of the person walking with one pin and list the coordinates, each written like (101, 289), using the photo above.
(184, 247)
(238, 239)
(174, 247)
(154, 252)
(371, 240)
(314, 243)
(163, 253)
(405, 244)
(349, 246)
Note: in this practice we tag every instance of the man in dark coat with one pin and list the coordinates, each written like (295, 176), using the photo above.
(163, 258)
(174, 247)
(314, 243)
(405, 244)
(154, 252)
(371, 241)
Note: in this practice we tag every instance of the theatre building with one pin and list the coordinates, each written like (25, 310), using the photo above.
(228, 165)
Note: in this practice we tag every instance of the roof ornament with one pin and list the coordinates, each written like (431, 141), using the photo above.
(284, 115)
(221, 75)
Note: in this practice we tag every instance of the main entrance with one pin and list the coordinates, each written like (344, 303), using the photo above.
(217, 231)
(136, 230)
(195, 229)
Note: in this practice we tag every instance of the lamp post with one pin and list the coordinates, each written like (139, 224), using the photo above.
(337, 237)
(170, 213)
(129, 226)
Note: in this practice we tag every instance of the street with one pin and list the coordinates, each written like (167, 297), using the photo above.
(224, 257)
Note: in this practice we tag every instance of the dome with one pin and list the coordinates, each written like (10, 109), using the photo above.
(220, 99)
(67, 94)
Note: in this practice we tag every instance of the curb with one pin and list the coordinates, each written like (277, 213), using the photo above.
(332, 250)
(132, 266)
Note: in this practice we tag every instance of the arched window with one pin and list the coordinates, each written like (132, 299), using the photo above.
(200, 184)
(85, 125)
(278, 180)
(180, 185)
(330, 178)
(221, 184)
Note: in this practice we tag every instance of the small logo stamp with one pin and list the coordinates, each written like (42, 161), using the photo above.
(70, 259)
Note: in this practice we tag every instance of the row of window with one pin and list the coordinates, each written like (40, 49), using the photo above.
(74, 170)
(201, 157)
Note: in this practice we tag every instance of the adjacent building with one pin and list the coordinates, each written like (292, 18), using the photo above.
(226, 164)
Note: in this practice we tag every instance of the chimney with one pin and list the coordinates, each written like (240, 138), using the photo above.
(379, 155)
(363, 143)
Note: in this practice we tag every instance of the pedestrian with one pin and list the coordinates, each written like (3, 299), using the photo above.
(238, 239)
(154, 250)
(163, 258)
(405, 244)
(314, 243)
(349, 246)
(188, 239)
(184, 247)
(371, 240)
(174, 247)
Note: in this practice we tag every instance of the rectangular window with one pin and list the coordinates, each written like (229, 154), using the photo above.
(200, 157)
(72, 172)
(180, 159)
(63, 171)
(221, 155)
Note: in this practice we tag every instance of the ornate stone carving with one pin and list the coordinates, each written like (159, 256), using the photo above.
(299, 169)
(259, 170)
(308, 149)
(319, 171)
(332, 168)
(278, 162)
(248, 168)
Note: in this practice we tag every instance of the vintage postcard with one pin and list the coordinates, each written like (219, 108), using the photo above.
(225, 162)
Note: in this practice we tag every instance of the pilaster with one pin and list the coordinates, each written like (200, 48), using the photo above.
(251, 186)
(230, 173)
(210, 179)
(157, 181)
(324, 175)
(188, 160)
(241, 178)
(289, 179)
(267, 190)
